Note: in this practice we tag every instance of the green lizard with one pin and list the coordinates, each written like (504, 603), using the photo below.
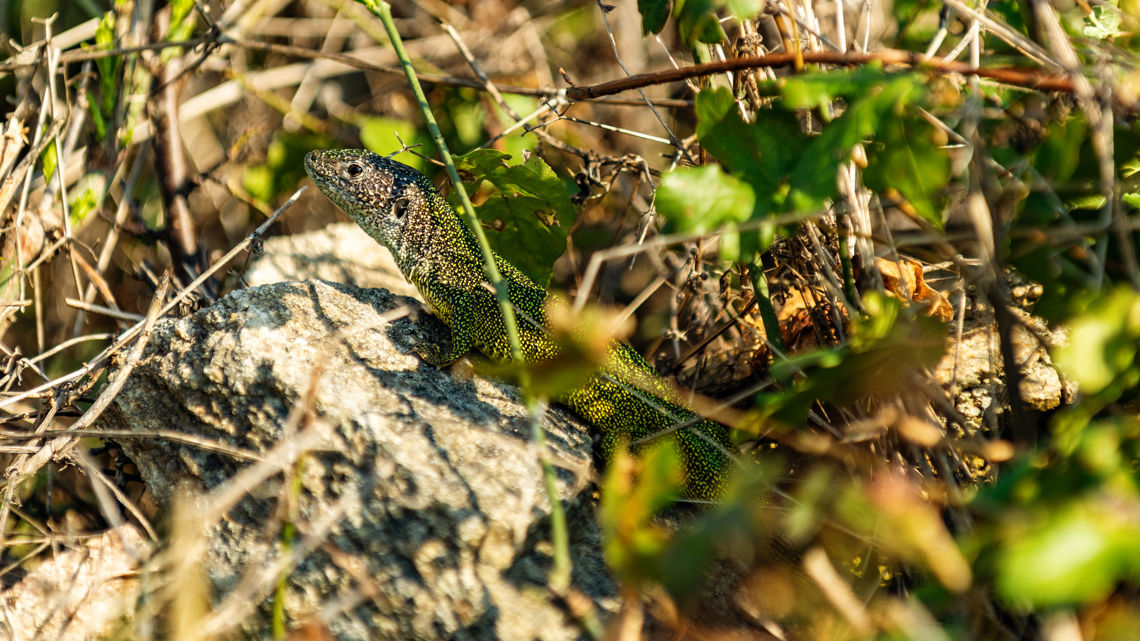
(400, 208)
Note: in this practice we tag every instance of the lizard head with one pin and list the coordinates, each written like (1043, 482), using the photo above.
(383, 196)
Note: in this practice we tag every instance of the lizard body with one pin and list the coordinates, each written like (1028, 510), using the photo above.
(401, 209)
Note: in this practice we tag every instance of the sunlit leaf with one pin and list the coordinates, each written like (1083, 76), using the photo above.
(1075, 556)
(49, 161)
(634, 491)
(701, 199)
(814, 89)
(103, 109)
(1102, 341)
(182, 19)
(1103, 22)
(744, 9)
(85, 197)
(762, 153)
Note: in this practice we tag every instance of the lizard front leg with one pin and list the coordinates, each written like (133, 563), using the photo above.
(457, 312)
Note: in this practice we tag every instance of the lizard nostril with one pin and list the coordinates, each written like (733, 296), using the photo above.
(354, 170)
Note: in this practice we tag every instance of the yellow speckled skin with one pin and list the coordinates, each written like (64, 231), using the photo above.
(400, 208)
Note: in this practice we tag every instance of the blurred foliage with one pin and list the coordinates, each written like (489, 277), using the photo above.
(1063, 172)
(856, 462)
(387, 136)
(86, 197)
(583, 339)
(182, 20)
(643, 550)
(1062, 526)
(103, 109)
(888, 345)
(284, 165)
(50, 162)
(1035, 530)
(697, 21)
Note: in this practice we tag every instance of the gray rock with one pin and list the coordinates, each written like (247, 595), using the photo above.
(972, 370)
(422, 509)
(341, 253)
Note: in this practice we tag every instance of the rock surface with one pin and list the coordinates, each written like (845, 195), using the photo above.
(340, 253)
(422, 508)
(973, 373)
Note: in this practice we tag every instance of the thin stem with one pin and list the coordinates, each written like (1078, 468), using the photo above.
(1028, 78)
(560, 573)
(384, 11)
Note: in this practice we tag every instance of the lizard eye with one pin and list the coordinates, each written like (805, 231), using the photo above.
(399, 208)
(354, 170)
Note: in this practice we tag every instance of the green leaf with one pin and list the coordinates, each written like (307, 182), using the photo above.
(1059, 153)
(812, 180)
(697, 22)
(713, 106)
(86, 196)
(104, 38)
(1103, 22)
(182, 19)
(907, 14)
(108, 71)
(1015, 14)
(1076, 556)
(744, 9)
(49, 161)
(525, 209)
(1091, 202)
(654, 13)
(634, 542)
(258, 181)
(811, 90)
(1102, 341)
(97, 119)
(790, 171)
(480, 163)
(910, 162)
(82, 206)
(702, 199)
(467, 118)
(762, 153)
